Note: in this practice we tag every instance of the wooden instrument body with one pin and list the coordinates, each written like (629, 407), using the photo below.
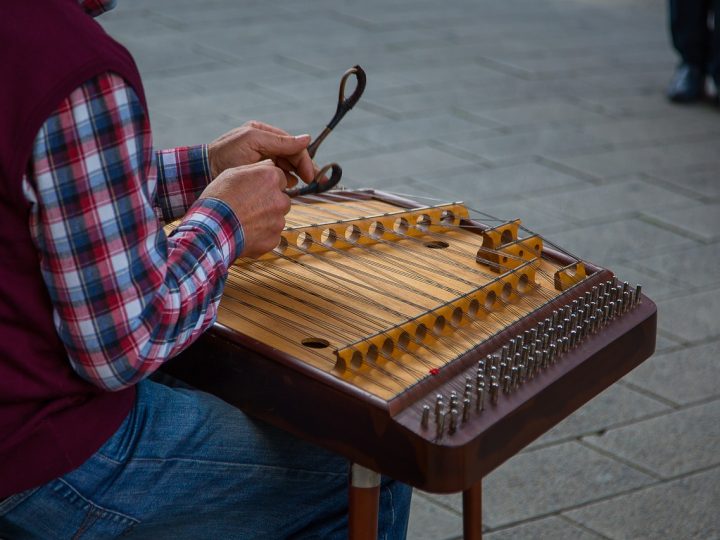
(387, 435)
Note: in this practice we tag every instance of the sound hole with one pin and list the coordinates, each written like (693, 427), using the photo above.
(352, 234)
(473, 308)
(436, 244)
(282, 245)
(304, 240)
(523, 283)
(328, 237)
(315, 343)
(506, 291)
(376, 230)
(447, 217)
(423, 222)
(401, 225)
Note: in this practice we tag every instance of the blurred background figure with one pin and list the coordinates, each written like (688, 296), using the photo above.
(696, 37)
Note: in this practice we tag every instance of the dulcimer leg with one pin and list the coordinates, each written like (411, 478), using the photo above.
(472, 512)
(364, 503)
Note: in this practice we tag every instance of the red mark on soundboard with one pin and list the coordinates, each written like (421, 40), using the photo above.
(434, 371)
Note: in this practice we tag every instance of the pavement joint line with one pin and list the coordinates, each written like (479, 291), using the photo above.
(582, 526)
(572, 171)
(677, 188)
(457, 152)
(577, 437)
(660, 482)
(660, 224)
(300, 66)
(438, 503)
(629, 491)
(676, 407)
(588, 444)
(559, 511)
(368, 105)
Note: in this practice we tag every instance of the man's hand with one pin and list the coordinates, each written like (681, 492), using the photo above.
(255, 194)
(255, 141)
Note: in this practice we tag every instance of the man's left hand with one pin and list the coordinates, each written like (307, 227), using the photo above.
(255, 141)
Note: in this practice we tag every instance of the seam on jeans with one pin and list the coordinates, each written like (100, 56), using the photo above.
(97, 507)
(13, 500)
(90, 518)
(233, 464)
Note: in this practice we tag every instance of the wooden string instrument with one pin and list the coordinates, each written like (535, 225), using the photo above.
(415, 340)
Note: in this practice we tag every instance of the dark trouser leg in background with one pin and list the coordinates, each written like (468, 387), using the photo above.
(689, 29)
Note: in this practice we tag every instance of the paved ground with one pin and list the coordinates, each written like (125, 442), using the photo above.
(548, 110)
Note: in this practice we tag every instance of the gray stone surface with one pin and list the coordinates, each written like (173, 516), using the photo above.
(428, 520)
(616, 200)
(685, 509)
(615, 406)
(676, 443)
(686, 376)
(693, 317)
(688, 267)
(621, 240)
(551, 528)
(700, 221)
(548, 480)
(547, 110)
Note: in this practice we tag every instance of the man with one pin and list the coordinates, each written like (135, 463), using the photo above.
(698, 46)
(94, 298)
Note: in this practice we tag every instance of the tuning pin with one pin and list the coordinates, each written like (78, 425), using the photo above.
(466, 409)
(425, 416)
(494, 393)
(453, 421)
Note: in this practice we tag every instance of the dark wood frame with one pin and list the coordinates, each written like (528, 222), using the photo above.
(385, 436)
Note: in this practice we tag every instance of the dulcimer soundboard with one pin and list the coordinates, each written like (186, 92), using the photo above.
(415, 339)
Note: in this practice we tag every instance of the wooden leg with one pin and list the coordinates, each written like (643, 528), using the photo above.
(472, 512)
(364, 503)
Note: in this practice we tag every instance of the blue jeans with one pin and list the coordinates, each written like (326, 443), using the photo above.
(185, 464)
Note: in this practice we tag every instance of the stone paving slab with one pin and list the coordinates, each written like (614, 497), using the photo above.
(551, 528)
(654, 284)
(682, 509)
(617, 200)
(622, 241)
(700, 221)
(670, 445)
(428, 520)
(693, 317)
(688, 266)
(544, 481)
(615, 406)
(703, 181)
(685, 376)
(656, 159)
(507, 182)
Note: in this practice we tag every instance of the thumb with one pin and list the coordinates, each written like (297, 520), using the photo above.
(273, 144)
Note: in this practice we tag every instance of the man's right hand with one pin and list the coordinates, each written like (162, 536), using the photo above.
(255, 193)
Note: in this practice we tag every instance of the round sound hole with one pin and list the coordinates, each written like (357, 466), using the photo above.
(316, 343)
(436, 244)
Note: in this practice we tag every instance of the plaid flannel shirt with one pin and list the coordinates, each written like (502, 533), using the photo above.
(126, 297)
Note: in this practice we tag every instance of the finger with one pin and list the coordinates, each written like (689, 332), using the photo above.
(267, 127)
(288, 167)
(281, 179)
(291, 179)
(303, 165)
(274, 145)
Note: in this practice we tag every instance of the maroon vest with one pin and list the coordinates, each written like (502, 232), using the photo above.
(51, 420)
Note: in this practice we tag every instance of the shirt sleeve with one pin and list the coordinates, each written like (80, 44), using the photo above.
(126, 297)
(182, 175)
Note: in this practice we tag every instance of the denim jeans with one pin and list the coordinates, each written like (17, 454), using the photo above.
(184, 464)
